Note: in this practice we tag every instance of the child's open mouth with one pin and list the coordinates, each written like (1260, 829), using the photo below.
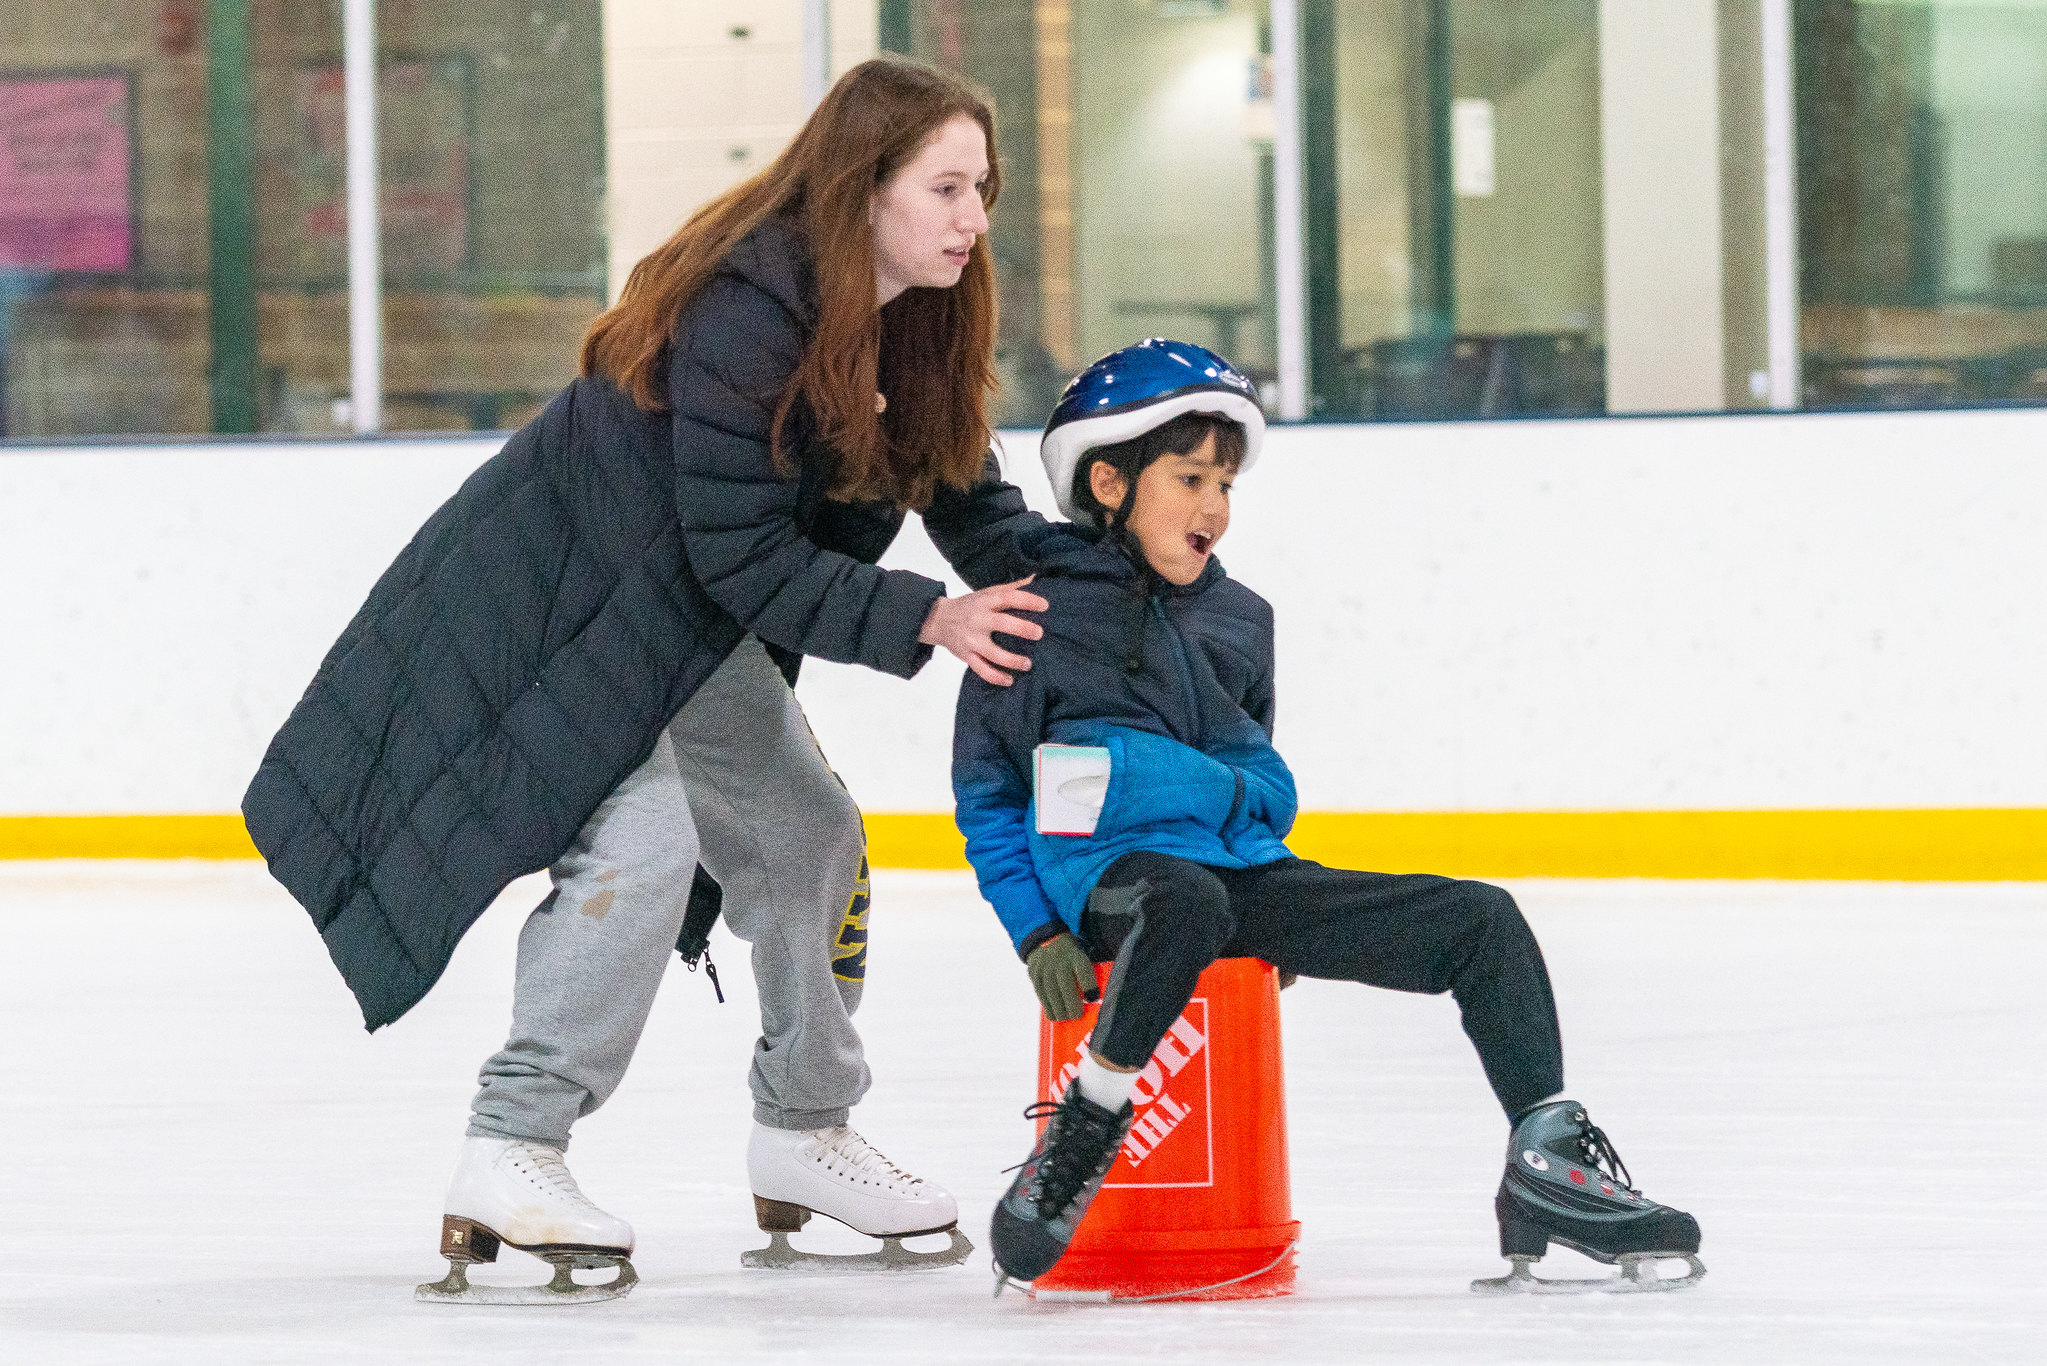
(1199, 543)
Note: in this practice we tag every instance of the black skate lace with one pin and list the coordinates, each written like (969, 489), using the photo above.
(1078, 1148)
(1596, 1151)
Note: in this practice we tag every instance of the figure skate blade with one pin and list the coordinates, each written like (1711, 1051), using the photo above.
(454, 1288)
(1639, 1274)
(778, 1255)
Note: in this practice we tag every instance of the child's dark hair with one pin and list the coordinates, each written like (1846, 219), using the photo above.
(1177, 437)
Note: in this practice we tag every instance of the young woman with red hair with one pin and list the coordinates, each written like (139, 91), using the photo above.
(583, 663)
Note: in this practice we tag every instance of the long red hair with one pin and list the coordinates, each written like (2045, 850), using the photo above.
(930, 351)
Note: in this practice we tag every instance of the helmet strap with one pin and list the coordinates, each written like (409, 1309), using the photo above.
(1119, 520)
(1119, 526)
(1119, 534)
(1119, 516)
(1147, 579)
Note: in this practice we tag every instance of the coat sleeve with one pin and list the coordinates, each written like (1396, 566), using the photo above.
(994, 732)
(1268, 786)
(733, 353)
(979, 531)
(1269, 797)
(1260, 702)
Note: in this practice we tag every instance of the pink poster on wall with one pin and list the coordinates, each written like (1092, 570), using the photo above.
(64, 173)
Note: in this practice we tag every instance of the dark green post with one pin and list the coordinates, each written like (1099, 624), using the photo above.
(1443, 200)
(894, 25)
(230, 217)
(1268, 211)
(1320, 219)
(1432, 206)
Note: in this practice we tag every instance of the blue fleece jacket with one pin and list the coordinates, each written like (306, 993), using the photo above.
(1175, 682)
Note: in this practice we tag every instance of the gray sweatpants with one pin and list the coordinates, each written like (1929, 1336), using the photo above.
(737, 782)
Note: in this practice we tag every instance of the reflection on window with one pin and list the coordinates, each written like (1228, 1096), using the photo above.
(1923, 202)
(173, 222)
(1453, 215)
(126, 189)
(492, 200)
(1452, 170)
(1137, 164)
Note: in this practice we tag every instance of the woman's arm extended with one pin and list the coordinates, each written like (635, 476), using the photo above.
(980, 531)
(734, 353)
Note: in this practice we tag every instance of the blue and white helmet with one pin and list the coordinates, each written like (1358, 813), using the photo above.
(1127, 393)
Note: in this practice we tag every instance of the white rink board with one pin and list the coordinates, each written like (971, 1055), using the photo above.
(210, 1163)
(1653, 614)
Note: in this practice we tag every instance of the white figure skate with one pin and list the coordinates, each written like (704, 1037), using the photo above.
(521, 1194)
(834, 1172)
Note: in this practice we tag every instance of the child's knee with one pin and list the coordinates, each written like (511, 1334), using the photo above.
(1199, 906)
(1189, 897)
(1495, 909)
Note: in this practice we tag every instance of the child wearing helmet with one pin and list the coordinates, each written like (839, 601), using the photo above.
(1122, 802)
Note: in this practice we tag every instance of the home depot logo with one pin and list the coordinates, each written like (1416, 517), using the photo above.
(1171, 1140)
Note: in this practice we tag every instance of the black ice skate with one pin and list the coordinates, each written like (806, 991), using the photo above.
(1565, 1184)
(1037, 1217)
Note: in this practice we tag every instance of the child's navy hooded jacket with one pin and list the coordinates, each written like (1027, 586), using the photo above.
(1175, 682)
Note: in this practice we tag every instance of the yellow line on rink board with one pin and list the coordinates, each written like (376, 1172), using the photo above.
(205, 837)
(1997, 844)
(914, 839)
(1973, 845)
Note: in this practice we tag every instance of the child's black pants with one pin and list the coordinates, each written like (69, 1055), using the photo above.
(1161, 920)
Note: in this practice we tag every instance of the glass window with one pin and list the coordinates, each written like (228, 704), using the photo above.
(1137, 172)
(173, 213)
(1453, 208)
(148, 227)
(174, 226)
(1452, 201)
(1923, 205)
(491, 129)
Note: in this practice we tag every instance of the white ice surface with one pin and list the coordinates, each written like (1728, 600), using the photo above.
(204, 1159)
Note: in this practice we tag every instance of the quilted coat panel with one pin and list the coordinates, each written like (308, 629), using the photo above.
(521, 655)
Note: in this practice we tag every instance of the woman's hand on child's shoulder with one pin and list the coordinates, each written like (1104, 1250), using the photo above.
(966, 627)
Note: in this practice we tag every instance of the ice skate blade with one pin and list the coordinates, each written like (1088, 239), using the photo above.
(454, 1288)
(893, 1256)
(1638, 1276)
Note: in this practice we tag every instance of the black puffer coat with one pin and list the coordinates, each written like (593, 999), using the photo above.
(522, 654)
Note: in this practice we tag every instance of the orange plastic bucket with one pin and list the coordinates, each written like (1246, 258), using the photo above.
(1200, 1194)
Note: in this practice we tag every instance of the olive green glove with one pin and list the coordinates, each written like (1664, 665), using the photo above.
(1063, 976)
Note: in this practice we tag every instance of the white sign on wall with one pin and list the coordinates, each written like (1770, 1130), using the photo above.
(1471, 148)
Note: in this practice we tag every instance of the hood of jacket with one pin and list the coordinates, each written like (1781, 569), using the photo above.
(776, 258)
